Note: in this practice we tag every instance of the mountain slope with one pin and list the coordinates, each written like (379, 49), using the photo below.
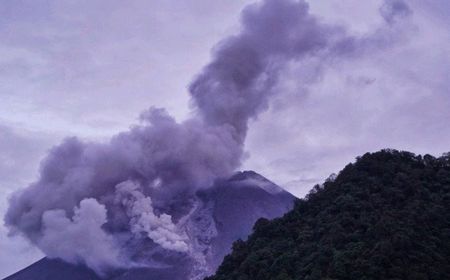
(219, 215)
(387, 216)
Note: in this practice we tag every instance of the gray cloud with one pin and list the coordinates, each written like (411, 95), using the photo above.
(396, 97)
(20, 152)
(67, 66)
(393, 10)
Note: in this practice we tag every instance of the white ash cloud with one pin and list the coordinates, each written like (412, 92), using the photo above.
(143, 220)
(81, 237)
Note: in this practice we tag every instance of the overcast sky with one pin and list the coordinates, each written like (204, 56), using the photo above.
(88, 68)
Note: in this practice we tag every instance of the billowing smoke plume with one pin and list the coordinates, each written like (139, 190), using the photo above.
(72, 238)
(91, 199)
(143, 220)
(237, 84)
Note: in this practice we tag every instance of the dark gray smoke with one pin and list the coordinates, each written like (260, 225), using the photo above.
(130, 187)
(237, 84)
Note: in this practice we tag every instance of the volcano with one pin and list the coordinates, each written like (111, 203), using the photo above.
(217, 217)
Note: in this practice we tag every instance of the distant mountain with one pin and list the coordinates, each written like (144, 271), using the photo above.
(218, 216)
(387, 216)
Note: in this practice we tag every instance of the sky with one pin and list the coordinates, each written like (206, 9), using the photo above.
(89, 68)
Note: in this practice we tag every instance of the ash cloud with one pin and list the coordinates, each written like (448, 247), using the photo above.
(143, 220)
(133, 186)
(80, 238)
(237, 84)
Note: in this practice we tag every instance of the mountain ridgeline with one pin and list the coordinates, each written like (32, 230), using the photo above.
(386, 216)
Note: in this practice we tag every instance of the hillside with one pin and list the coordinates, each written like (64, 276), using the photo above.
(387, 216)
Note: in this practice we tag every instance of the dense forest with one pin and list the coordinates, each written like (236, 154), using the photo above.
(386, 216)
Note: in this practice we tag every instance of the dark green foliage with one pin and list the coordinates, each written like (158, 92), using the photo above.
(387, 216)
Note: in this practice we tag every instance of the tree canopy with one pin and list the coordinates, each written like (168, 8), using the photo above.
(386, 216)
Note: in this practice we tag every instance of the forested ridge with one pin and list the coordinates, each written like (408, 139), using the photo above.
(386, 216)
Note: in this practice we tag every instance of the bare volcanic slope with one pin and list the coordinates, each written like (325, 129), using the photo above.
(218, 216)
